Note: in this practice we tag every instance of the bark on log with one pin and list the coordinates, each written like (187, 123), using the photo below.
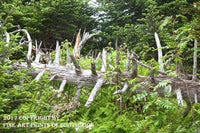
(189, 90)
(87, 78)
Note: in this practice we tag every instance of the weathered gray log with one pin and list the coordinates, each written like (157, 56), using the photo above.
(87, 78)
(187, 89)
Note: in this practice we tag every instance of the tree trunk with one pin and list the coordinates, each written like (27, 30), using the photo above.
(185, 89)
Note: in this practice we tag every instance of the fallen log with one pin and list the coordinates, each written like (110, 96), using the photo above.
(188, 90)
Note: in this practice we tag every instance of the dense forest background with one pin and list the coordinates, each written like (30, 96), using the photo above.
(129, 24)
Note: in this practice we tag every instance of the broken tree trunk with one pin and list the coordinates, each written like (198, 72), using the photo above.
(97, 79)
(187, 90)
(81, 42)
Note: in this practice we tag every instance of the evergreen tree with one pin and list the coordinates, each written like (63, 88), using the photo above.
(51, 20)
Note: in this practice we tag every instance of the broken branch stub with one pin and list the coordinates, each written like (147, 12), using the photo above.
(134, 65)
(68, 56)
(93, 69)
(160, 54)
(121, 92)
(62, 86)
(194, 76)
(124, 89)
(38, 52)
(76, 64)
(57, 55)
(179, 97)
(93, 94)
(81, 42)
(77, 96)
(103, 68)
(128, 62)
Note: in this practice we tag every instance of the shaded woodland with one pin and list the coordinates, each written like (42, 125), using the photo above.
(102, 66)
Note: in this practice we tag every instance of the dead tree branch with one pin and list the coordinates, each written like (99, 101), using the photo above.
(81, 42)
(194, 76)
(94, 92)
(98, 79)
(160, 54)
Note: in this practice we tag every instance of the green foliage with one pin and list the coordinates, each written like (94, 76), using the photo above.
(157, 114)
(49, 20)
(107, 121)
(132, 24)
